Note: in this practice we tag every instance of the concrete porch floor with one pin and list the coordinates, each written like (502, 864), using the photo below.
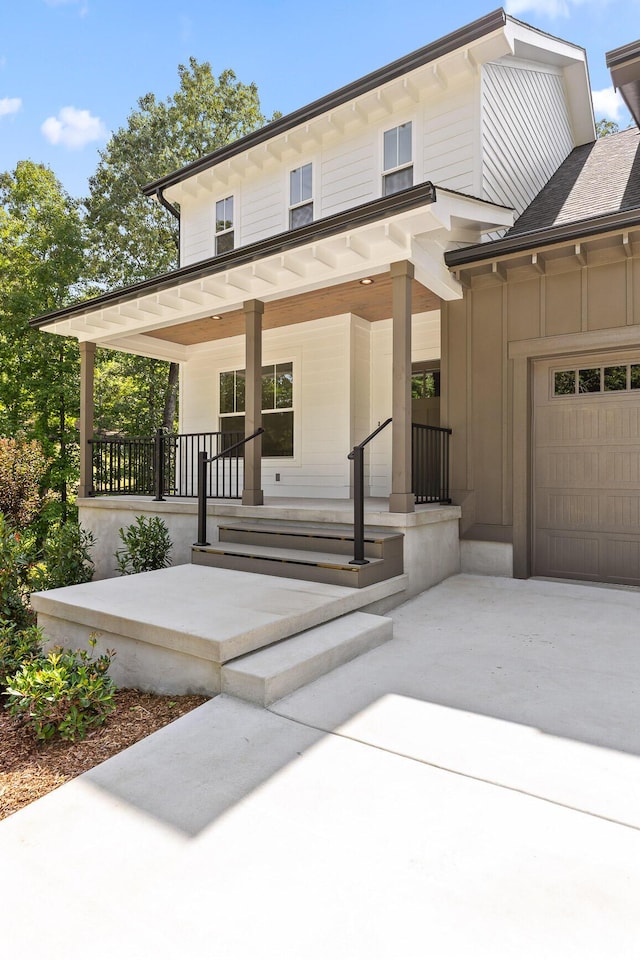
(468, 789)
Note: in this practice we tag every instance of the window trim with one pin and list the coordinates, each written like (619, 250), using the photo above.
(402, 166)
(308, 201)
(227, 230)
(292, 460)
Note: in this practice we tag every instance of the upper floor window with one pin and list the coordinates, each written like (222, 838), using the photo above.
(300, 196)
(397, 161)
(224, 225)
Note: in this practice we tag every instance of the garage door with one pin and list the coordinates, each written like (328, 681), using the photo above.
(586, 469)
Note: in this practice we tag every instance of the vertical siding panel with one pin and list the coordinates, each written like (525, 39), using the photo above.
(526, 132)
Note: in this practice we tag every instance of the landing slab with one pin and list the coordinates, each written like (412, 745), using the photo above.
(211, 613)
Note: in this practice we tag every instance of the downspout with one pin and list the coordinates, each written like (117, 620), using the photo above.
(160, 198)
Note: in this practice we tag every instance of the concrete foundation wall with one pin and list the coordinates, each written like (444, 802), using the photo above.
(431, 545)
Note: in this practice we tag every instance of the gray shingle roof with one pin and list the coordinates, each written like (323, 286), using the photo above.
(596, 179)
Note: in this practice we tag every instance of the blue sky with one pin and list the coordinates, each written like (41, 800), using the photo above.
(72, 70)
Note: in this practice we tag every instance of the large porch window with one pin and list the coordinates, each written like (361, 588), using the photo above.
(277, 407)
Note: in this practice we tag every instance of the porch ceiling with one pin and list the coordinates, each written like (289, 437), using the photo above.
(310, 272)
(372, 302)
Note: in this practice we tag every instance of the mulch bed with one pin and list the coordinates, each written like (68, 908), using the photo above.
(29, 770)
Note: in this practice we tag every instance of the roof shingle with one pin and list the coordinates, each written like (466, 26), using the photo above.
(596, 179)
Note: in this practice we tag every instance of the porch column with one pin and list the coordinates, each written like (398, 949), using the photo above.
(402, 499)
(252, 494)
(87, 363)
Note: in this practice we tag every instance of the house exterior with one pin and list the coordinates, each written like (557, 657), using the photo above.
(421, 244)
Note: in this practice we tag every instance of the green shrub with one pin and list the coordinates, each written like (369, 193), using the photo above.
(17, 647)
(147, 546)
(14, 574)
(22, 468)
(66, 557)
(66, 693)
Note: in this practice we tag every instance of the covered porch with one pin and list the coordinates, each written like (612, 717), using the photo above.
(315, 336)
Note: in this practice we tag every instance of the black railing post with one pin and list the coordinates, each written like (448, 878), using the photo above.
(357, 455)
(202, 500)
(158, 463)
(358, 506)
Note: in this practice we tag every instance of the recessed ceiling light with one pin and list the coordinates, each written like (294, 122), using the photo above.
(216, 316)
(366, 281)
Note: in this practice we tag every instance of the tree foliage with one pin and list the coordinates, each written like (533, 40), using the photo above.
(41, 269)
(605, 128)
(132, 237)
(22, 469)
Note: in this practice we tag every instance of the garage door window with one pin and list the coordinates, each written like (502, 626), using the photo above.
(604, 379)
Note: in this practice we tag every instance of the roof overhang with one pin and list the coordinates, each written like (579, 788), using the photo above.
(537, 239)
(418, 224)
(398, 86)
(624, 66)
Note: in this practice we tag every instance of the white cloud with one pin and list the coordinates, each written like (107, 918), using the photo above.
(609, 104)
(73, 128)
(550, 8)
(9, 105)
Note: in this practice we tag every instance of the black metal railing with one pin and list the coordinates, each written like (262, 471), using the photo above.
(357, 455)
(165, 465)
(204, 485)
(430, 463)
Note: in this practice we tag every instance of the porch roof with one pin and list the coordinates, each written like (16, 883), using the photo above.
(417, 224)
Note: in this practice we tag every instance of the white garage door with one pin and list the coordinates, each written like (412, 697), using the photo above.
(586, 469)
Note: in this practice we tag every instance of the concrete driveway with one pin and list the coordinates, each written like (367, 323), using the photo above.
(469, 789)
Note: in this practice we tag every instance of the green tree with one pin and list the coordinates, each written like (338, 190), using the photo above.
(132, 237)
(605, 128)
(41, 266)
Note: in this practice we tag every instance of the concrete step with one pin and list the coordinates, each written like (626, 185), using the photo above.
(330, 539)
(315, 566)
(276, 671)
(173, 629)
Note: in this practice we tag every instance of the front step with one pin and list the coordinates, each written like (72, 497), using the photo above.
(276, 671)
(317, 554)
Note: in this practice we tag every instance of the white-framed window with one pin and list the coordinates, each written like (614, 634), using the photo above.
(224, 226)
(277, 407)
(397, 160)
(301, 196)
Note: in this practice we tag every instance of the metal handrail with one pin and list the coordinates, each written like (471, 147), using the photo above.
(203, 460)
(357, 455)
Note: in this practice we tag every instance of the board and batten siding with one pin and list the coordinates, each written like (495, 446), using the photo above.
(572, 308)
(526, 131)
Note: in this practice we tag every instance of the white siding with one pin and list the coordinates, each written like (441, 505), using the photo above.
(526, 132)
(263, 210)
(320, 351)
(196, 231)
(348, 174)
(449, 152)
